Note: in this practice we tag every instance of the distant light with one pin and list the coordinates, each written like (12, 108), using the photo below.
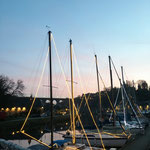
(60, 101)
(63, 113)
(54, 102)
(147, 107)
(13, 109)
(140, 107)
(41, 131)
(13, 133)
(24, 109)
(47, 101)
(7, 109)
(18, 109)
(2, 109)
(117, 108)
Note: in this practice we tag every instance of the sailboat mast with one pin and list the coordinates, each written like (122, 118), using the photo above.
(112, 96)
(122, 74)
(72, 94)
(98, 88)
(51, 96)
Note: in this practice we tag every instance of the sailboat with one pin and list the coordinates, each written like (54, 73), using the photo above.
(130, 122)
(59, 144)
(100, 139)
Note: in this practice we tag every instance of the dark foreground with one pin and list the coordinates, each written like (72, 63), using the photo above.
(140, 142)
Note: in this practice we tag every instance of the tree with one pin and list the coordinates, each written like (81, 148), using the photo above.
(9, 88)
(142, 84)
(142, 92)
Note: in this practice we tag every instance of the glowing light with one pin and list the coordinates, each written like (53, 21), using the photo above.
(13, 109)
(41, 131)
(18, 109)
(47, 101)
(63, 113)
(7, 109)
(23, 109)
(2, 109)
(117, 108)
(147, 107)
(140, 107)
(54, 102)
(23, 131)
(13, 133)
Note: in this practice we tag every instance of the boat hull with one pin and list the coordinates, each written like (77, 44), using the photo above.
(96, 141)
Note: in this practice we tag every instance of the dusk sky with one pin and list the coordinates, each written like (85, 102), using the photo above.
(119, 28)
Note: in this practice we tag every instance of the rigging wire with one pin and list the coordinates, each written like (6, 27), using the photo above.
(87, 102)
(37, 68)
(126, 94)
(35, 93)
(21, 130)
(115, 103)
(111, 104)
(132, 107)
(37, 140)
(70, 94)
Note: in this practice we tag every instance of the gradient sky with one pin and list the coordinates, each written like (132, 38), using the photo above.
(120, 28)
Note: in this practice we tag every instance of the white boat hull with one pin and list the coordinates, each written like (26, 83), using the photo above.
(108, 141)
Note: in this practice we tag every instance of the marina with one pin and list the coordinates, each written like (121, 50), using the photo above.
(74, 75)
(116, 136)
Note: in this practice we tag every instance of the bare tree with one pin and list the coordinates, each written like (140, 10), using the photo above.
(9, 87)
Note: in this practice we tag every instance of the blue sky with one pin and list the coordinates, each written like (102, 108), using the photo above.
(105, 27)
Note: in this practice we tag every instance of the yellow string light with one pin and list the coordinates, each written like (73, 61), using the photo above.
(88, 105)
(36, 93)
(70, 94)
(36, 139)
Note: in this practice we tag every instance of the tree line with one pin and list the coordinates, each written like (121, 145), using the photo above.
(140, 93)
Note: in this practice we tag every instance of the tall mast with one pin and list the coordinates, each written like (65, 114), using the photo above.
(72, 94)
(112, 96)
(122, 75)
(51, 96)
(98, 88)
(123, 95)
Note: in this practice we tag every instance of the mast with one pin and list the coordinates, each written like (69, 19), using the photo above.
(98, 88)
(122, 75)
(72, 94)
(51, 96)
(112, 96)
(134, 95)
(123, 95)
